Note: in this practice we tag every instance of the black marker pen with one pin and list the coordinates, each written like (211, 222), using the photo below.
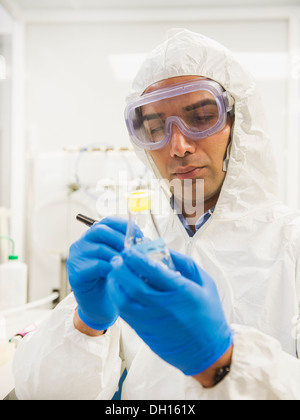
(86, 220)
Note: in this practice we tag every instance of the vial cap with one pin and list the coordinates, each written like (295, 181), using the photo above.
(139, 201)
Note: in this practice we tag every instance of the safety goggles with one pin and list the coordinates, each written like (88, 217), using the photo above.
(198, 108)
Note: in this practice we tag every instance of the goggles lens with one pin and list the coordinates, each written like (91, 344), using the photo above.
(198, 108)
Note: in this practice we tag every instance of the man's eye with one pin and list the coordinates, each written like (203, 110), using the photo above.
(156, 130)
(202, 120)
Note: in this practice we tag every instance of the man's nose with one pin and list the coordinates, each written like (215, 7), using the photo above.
(180, 144)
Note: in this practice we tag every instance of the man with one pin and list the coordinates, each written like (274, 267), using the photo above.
(229, 332)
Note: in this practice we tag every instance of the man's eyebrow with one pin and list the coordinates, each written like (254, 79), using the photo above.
(200, 104)
(150, 117)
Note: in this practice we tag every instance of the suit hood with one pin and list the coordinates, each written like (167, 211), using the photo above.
(251, 179)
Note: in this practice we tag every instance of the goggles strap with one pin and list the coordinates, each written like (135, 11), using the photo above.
(226, 160)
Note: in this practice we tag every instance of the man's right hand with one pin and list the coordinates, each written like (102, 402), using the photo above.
(88, 267)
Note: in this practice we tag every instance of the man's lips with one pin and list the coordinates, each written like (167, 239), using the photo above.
(188, 172)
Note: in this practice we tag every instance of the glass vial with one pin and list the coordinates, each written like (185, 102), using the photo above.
(139, 214)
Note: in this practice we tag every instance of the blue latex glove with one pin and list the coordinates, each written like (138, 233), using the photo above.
(88, 266)
(179, 316)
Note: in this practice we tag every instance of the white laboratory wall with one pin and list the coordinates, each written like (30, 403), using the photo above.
(63, 184)
(77, 78)
(74, 94)
(6, 29)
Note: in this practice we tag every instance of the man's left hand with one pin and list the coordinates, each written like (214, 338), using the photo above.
(179, 315)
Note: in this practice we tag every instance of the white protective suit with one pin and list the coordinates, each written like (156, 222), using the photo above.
(250, 247)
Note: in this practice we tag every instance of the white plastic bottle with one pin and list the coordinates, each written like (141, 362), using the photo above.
(139, 213)
(13, 283)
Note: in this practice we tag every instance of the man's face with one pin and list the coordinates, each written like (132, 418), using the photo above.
(184, 158)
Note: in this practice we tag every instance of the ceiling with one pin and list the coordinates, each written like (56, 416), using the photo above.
(39, 5)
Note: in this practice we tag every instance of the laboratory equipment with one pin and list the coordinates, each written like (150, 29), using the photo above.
(13, 281)
(18, 337)
(140, 214)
